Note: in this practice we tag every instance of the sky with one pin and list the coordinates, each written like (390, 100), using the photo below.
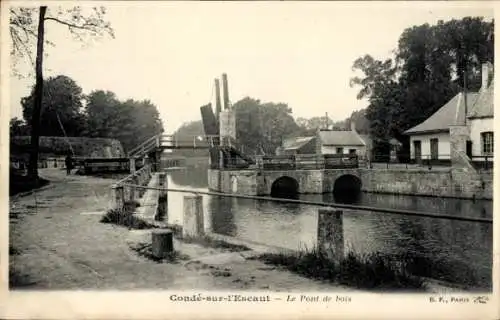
(299, 53)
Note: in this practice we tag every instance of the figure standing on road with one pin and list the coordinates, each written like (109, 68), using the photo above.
(69, 163)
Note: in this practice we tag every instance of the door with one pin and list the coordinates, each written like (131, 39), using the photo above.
(468, 149)
(434, 149)
(417, 146)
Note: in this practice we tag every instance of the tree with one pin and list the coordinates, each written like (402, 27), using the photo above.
(261, 128)
(18, 127)
(311, 125)
(23, 33)
(61, 106)
(131, 121)
(431, 65)
(188, 131)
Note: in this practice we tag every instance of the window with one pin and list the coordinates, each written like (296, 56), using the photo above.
(352, 151)
(487, 142)
(340, 150)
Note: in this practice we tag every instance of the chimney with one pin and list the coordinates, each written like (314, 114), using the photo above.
(485, 75)
(353, 126)
(217, 99)
(225, 91)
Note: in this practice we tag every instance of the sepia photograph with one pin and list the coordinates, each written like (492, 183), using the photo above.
(249, 153)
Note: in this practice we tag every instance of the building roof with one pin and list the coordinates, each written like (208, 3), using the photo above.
(484, 104)
(340, 138)
(452, 113)
(296, 143)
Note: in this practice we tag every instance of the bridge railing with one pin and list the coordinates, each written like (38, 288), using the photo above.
(308, 162)
(427, 161)
(127, 189)
(195, 141)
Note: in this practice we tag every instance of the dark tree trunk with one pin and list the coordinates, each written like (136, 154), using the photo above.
(35, 122)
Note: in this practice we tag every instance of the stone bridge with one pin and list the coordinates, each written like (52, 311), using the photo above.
(422, 182)
(275, 182)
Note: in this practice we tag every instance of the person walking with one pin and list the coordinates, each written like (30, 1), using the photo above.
(69, 163)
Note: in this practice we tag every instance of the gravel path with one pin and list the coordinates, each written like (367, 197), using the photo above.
(57, 242)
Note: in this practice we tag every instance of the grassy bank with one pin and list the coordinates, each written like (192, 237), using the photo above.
(374, 271)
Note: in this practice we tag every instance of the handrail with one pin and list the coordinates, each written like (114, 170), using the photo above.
(122, 181)
(153, 138)
(325, 204)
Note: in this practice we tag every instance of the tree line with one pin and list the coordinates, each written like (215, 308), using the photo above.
(432, 63)
(67, 111)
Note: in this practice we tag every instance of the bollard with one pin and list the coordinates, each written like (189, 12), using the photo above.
(161, 243)
(331, 234)
(193, 216)
(119, 198)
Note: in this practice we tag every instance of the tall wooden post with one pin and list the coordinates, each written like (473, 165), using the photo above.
(225, 91)
(217, 100)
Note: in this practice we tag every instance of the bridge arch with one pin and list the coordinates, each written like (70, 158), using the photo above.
(347, 188)
(285, 187)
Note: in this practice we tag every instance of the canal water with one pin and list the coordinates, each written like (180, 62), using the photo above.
(453, 251)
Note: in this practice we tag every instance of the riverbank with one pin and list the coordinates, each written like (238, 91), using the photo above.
(57, 242)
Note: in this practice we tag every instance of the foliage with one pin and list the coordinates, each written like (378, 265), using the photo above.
(373, 271)
(131, 121)
(187, 131)
(18, 127)
(83, 23)
(309, 126)
(104, 116)
(261, 127)
(430, 67)
(21, 23)
(62, 97)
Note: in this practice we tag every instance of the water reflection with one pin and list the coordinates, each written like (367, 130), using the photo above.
(455, 251)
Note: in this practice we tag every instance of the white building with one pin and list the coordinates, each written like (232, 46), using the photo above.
(430, 140)
(340, 142)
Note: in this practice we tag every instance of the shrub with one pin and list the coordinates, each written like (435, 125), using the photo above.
(373, 271)
(126, 219)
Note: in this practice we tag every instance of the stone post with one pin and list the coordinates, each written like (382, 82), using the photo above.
(193, 216)
(162, 213)
(132, 165)
(331, 234)
(162, 243)
(119, 197)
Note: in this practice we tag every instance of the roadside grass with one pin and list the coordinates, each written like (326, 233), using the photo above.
(374, 271)
(125, 218)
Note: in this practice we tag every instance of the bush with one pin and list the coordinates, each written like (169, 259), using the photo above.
(373, 271)
(126, 219)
